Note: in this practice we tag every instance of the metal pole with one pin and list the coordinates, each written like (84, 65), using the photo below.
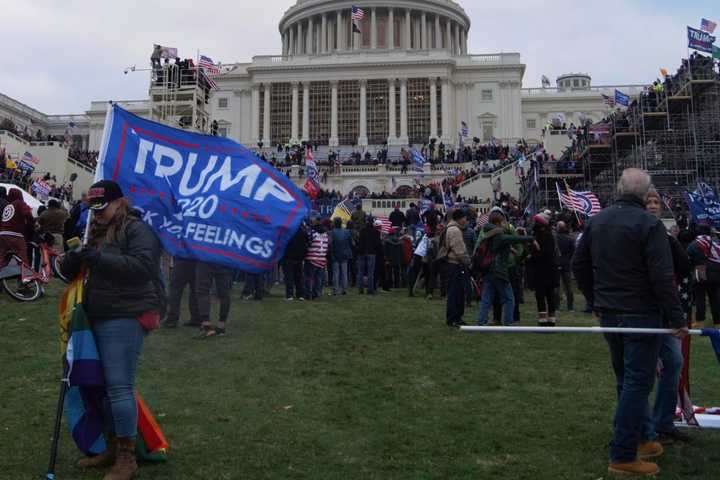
(646, 331)
(58, 423)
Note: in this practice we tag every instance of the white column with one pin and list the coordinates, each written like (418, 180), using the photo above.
(448, 35)
(373, 28)
(463, 41)
(284, 43)
(354, 37)
(408, 26)
(291, 49)
(311, 37)
(323, 35)
(391, 29)
(403, 112)
(363, 140)
(433, 108)
(457, 38)
(445, 94)
(339, 30)
(295, 108)
(306, 112)
(392, 134)
(334, 141)
(266, 115)
(438, 33)
(255, 113)
(417, 44)
(300, 49)
(424, 43)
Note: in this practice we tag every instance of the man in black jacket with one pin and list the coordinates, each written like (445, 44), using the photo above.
(369, 246)
(566, 245)
(292, 264)
(624, 257)
(397, 218)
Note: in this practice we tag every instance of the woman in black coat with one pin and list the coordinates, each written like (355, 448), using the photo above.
(546, 277)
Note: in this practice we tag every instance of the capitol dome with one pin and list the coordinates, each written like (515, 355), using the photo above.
(317, 27)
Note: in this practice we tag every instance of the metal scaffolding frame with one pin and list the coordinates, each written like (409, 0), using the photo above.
(675, 136)
(179, 97)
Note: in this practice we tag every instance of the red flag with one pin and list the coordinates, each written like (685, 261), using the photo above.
(311, 188)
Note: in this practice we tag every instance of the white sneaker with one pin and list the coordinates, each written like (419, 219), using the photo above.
(289, 299)
(301, 299)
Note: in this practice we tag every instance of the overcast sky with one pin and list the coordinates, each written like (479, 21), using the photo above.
(58, 56)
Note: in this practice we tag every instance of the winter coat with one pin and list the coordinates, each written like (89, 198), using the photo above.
(124, 282)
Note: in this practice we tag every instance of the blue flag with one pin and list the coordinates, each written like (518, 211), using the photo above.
(621, 98)
(704, 205)
(699, 40)
(417, 160)
(208, 198)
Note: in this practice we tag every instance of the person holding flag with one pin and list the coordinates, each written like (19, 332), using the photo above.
(123, 299)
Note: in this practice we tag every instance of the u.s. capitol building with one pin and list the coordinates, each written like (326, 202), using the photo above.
(406, 78)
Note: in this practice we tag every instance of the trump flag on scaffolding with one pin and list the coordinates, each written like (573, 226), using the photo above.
(207, 198)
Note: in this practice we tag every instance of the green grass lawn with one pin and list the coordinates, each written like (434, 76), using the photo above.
(349, 388)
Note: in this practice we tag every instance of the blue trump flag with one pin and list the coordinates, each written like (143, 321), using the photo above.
(699, 40)
(417, 160)
(621, 98)
(208, 198)
(704, 205)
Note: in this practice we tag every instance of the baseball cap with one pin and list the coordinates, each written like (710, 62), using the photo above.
(102, 193)
(498, 210)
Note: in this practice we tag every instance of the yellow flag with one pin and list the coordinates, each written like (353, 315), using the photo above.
(10, 164)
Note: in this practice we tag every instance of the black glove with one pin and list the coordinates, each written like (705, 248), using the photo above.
(89, 256)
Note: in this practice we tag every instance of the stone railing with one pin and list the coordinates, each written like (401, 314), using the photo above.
(632, 90)
(14, 137)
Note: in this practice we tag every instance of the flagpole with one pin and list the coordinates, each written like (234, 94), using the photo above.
(644, 331)
(567, 188)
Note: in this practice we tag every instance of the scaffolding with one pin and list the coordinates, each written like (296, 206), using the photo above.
(673, 134)
(179, 97)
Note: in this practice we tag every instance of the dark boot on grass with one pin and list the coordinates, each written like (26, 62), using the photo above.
(125, 466)
(542, 319)
(104, 459)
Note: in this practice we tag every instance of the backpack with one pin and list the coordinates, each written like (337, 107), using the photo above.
(483, 258)
(443, 250)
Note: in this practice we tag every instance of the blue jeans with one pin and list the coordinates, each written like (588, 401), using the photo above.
(503, 289)
(366, 266)
(661, 417)
(634, 359)
(314, 280)
(119, 342)
(340, 277)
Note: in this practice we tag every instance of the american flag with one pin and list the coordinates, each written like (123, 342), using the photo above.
(207, 64)
(386, 225)
(707, 26)
(582, 202)
(357, 13)
(609, 101)
(483, 219)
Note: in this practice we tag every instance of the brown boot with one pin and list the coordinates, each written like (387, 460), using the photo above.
(649, 450)
(638, 467)
(105, 459)
(125, 466)
(542, 319)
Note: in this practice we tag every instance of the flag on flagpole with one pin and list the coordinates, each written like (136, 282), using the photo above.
(343, 211)
(707, 25)
(464, 131)
(357, 13)
(483, 219)
(386, 224)
(621, 98)
(609, 101)
(208, 69)
(582, 202)
(418, 160)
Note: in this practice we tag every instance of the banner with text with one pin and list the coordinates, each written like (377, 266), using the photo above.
(699, 40)
(208, 198)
